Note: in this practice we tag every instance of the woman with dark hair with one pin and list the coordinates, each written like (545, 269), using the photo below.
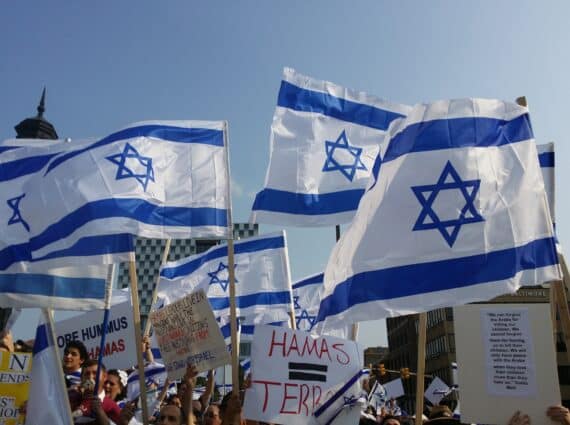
(116, 386)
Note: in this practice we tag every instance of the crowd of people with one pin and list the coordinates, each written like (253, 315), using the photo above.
(176, 404)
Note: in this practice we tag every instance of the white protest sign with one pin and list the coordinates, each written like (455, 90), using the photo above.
(511, 358)
(120, 347)
(394, 389)
(187, 333)
(436, 391)
(295, 373)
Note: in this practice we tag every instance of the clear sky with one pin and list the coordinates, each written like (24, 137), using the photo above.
(109, 63)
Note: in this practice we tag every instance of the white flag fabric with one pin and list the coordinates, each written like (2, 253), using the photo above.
(155, 377)
(46, 282)
(457, 213)
(436, 391)
(324, 139)
(263, 278)
(47, 401)
(160, 179)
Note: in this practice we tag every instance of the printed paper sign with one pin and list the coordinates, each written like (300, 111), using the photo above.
(187, 333)
(15, 374)
(394, 389)
(294, 373)
(120, 346)
(509, 352)
(436, 391)
(506, 359)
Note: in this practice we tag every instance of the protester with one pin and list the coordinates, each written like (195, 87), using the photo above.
(98, 408)
(74, 355)
(390, 420)
(116, 386)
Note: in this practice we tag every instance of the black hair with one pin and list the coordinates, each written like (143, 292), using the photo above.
(80, 347)
(123, 393)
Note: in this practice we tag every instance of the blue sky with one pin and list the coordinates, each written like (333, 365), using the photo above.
(108, 63)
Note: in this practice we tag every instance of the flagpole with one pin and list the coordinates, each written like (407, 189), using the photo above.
(48, 313)
(420, 373)
(354, 333)
(231, 275)
(108, 293)
(165, 253)
(138, 337)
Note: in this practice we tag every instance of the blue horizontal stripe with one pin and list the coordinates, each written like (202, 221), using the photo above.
(226, 330)
(309, 281)
(8, 148)
(458, 133)
(24, 166)
(307, 204)
(167, 133)
(299, 99)
(251, 300)
(14, 254)
(546, 159)
(249, 329)
(53, 286)
(41, 342)
(133, 208)
(424, 278)
(95, 245)
(242, 247)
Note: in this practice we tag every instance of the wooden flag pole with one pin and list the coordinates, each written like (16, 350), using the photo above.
(48, 313)
(354, 333)
(108, 293)
(138, 337)
(165, 253)
(420, 373)
(233, 319)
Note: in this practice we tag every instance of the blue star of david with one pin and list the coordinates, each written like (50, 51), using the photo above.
(305, 316)
(14, 203)
(331, 164)
(426, 194)
(124, 172)
(296, 304)
(214, 278)
(350, 400)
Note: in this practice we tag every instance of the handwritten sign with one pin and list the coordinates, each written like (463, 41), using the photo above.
(15, 374)
(120, 340)
(294, 373)
(506, 359)
(187, 333)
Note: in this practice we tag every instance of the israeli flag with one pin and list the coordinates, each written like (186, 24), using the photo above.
(166, 179)
(456, 213)
(47, 401)
(546, 161)
(47, 282)
(324, 139)
(247, 331)
(263, 282)
(306, 300)
(155, 376)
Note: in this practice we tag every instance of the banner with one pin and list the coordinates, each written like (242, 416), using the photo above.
(120, 346)
(15, 375)
(187, 333)
(295, 373)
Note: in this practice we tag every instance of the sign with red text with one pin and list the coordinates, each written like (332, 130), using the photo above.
(187, 333)
(294, 373)
(120, 343)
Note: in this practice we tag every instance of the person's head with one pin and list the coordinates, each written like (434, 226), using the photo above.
(74, 355)
(114, 385)
(170, 415)
(438, 411)
(390, 420)
(89, 372)
(212, 415)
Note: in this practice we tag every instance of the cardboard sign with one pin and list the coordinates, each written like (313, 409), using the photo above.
(15, 375)
(187, 333)
(506, 360)
(294, 373)
(120, 347)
